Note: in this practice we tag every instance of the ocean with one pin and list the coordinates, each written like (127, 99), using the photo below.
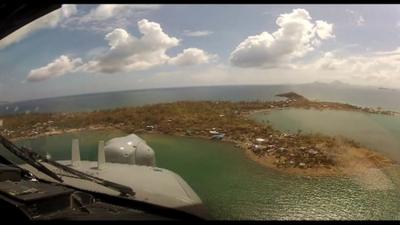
(357, 95)
(231, 185)
(234, 187)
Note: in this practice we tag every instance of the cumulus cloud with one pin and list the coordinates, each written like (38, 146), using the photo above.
(126, 53)
(105, 17)
(50, 20)
(60, 66)
(192, 56)
(378, 66)
(296, 36)
(198, 33)
(324, 30)
(129, 53)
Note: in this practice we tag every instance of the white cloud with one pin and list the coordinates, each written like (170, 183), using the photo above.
(126, 53)
(222, 74)
(377, 67)
(360, 21)
(192, 56)
(357, 18)
(104, 18)
(58, 67)
(68, 10)
(324, 30)
(198, 33)
(50, 20)
(297, 35)
(107, 11)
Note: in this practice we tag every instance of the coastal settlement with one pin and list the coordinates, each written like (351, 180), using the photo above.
(310, 154)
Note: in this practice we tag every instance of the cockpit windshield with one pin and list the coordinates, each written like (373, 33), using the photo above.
(270, 112)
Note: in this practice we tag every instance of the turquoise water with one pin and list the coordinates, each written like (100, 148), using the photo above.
(363, 96)
(231, 185)
(378, 132)
(234, 187)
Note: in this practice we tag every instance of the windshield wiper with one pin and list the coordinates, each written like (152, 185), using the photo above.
(28, 157)
(35, 160)
(124, 190)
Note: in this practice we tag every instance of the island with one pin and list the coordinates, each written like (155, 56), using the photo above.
(292, 96)
(298, 153)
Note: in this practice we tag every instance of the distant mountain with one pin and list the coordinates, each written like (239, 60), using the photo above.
(338, 82)
(335, 82)
(318, 82)
(387, 89)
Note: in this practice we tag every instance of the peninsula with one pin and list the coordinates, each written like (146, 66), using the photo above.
(305, 154)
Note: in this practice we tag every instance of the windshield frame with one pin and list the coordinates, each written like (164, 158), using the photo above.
(35, 160)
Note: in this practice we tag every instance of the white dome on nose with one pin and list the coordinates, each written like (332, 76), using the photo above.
(144, 155)
(130, 149)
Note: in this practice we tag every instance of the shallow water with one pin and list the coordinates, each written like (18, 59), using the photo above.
(378, 132)
(234, 187)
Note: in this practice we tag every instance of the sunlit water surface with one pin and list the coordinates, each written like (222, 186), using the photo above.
(234, 187)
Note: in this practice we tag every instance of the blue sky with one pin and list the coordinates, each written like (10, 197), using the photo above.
(98, 48)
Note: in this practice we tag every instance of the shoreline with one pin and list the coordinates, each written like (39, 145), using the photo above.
(338, 171)
(343, 169)
(308, 155)
(393, 113)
